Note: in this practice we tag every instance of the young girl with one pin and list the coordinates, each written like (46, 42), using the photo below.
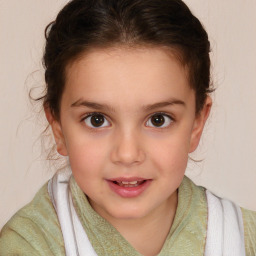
(127, 98)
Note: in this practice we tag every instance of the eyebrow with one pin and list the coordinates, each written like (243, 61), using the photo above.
(164, 104)
(150, 107)
(93, 105)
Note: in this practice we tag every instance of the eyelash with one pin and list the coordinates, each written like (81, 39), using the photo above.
(154, 114)
(162, 114)
(93, 114)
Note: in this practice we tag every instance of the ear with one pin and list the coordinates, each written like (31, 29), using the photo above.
(199, 123)
(57, 132)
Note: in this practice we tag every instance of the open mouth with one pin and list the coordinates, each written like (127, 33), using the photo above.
(129, 187)
(129, 184)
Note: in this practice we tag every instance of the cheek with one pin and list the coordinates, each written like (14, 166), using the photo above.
(87, 164)
(86, 157)
(171, 156)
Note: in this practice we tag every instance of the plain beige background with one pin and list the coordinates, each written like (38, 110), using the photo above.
(229, 143)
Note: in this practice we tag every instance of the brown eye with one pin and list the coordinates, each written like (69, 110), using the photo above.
(96, 121)
(159, 120)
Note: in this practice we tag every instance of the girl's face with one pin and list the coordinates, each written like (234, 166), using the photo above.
(127, 124)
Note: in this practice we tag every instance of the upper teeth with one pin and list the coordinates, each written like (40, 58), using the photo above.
(129, 182)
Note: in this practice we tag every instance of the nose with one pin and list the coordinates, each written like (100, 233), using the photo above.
(127, 149)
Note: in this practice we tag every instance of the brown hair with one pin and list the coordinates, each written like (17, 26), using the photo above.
(85, 24)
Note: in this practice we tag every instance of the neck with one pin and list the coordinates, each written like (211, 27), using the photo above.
(148, 234)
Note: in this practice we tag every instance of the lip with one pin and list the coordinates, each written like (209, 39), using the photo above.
(128, 192)
(128, 179)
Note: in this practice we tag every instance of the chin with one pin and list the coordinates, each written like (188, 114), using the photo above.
(127, 214)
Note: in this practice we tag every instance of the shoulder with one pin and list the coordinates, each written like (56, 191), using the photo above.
(33, 230)
(249, 219)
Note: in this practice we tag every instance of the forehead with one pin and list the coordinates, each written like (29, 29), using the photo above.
(119, 74)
